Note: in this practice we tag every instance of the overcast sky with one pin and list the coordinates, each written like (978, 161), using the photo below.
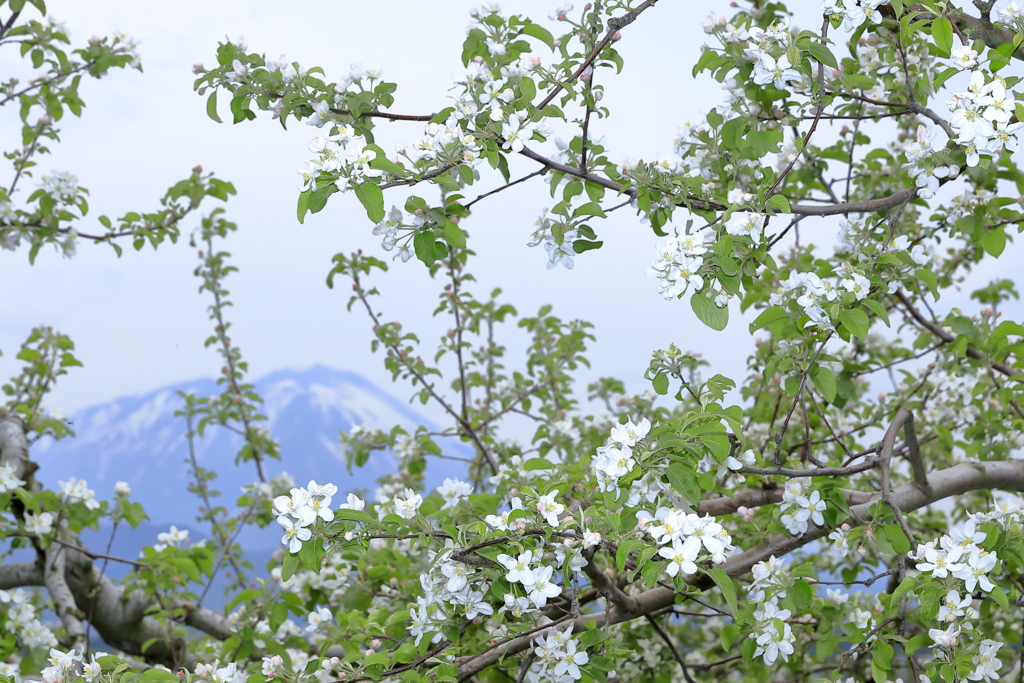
(139, 322)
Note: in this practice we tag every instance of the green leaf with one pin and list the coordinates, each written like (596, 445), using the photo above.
(999, 595)
(580, 246)
(708, 311)
(622, 554)
(303, 206)
(423, 243)
(540, 33)
(728, 588)
(589, 209)
(291, 564)
(660, 383)
(748, 649)
(211, 107)
(779, 202)
(684, 481)
(878, 310)
(823, 55)
(899, 540)
(455, 236)
(728, 635)
(942, 33)
(318, 198)
(372, 198)
(856, 321)
(824, 381)
(993, 241)
(803, 594)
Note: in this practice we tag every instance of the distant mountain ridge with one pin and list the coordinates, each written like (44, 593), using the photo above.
(137, 439)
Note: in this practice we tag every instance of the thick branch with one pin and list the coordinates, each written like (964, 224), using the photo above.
(952, 481)
(53, 576)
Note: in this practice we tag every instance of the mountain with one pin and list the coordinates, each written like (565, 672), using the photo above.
(138, 439)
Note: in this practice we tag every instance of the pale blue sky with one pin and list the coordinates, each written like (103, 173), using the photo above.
(139, 322)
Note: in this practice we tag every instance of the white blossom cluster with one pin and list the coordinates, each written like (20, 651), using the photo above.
(685, 537)
(812, 291)
(800, 507)
(274, 667)
(558, 658)
(453, 492)
(21, 620)
(9, 482)
(958, 555)
(215, 673)
(39, 524)
(981, 116)
(261, 627)
(773, 635)
(343, 153)
(66, 666)
(560, 252)
(615, 459)
(281, 483)
(922, 169)
(536, 581)
(61, 185)
(299, 510)
(678, 264)
(78, 491)
(448, 589)
(171, 539)
(854, 12)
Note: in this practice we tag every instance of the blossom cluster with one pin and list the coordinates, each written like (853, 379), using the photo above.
(615, 459)
(854, 12)
(299, 510)
(78, 491)
(342, 154)
(21, 619)
(811, 292)
(9, 482)
(800, 508)
(774, 637)
(66, 666)
(981, 116)
(957, 554)
(559, 244)
(679, 263)
(558, 658)
(449, 588)
(685, 537)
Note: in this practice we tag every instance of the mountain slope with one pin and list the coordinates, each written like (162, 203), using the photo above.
(137, 439)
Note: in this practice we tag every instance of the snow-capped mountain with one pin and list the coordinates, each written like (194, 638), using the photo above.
(138, 439)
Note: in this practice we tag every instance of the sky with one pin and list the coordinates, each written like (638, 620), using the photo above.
(139, 321)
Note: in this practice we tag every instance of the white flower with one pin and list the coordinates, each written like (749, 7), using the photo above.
(747, 224)
(985, 661)
(454, 492)
(39, 525)
(9, 482)
(122, 488)
(542, 587)
(518, 567)
(408, 507)
(629, 433)
(681, 556)
(964, 57)
(318, 618)
(945, 638)
(952, 606)
(778, 72)
(549, 508)
(294, 534)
